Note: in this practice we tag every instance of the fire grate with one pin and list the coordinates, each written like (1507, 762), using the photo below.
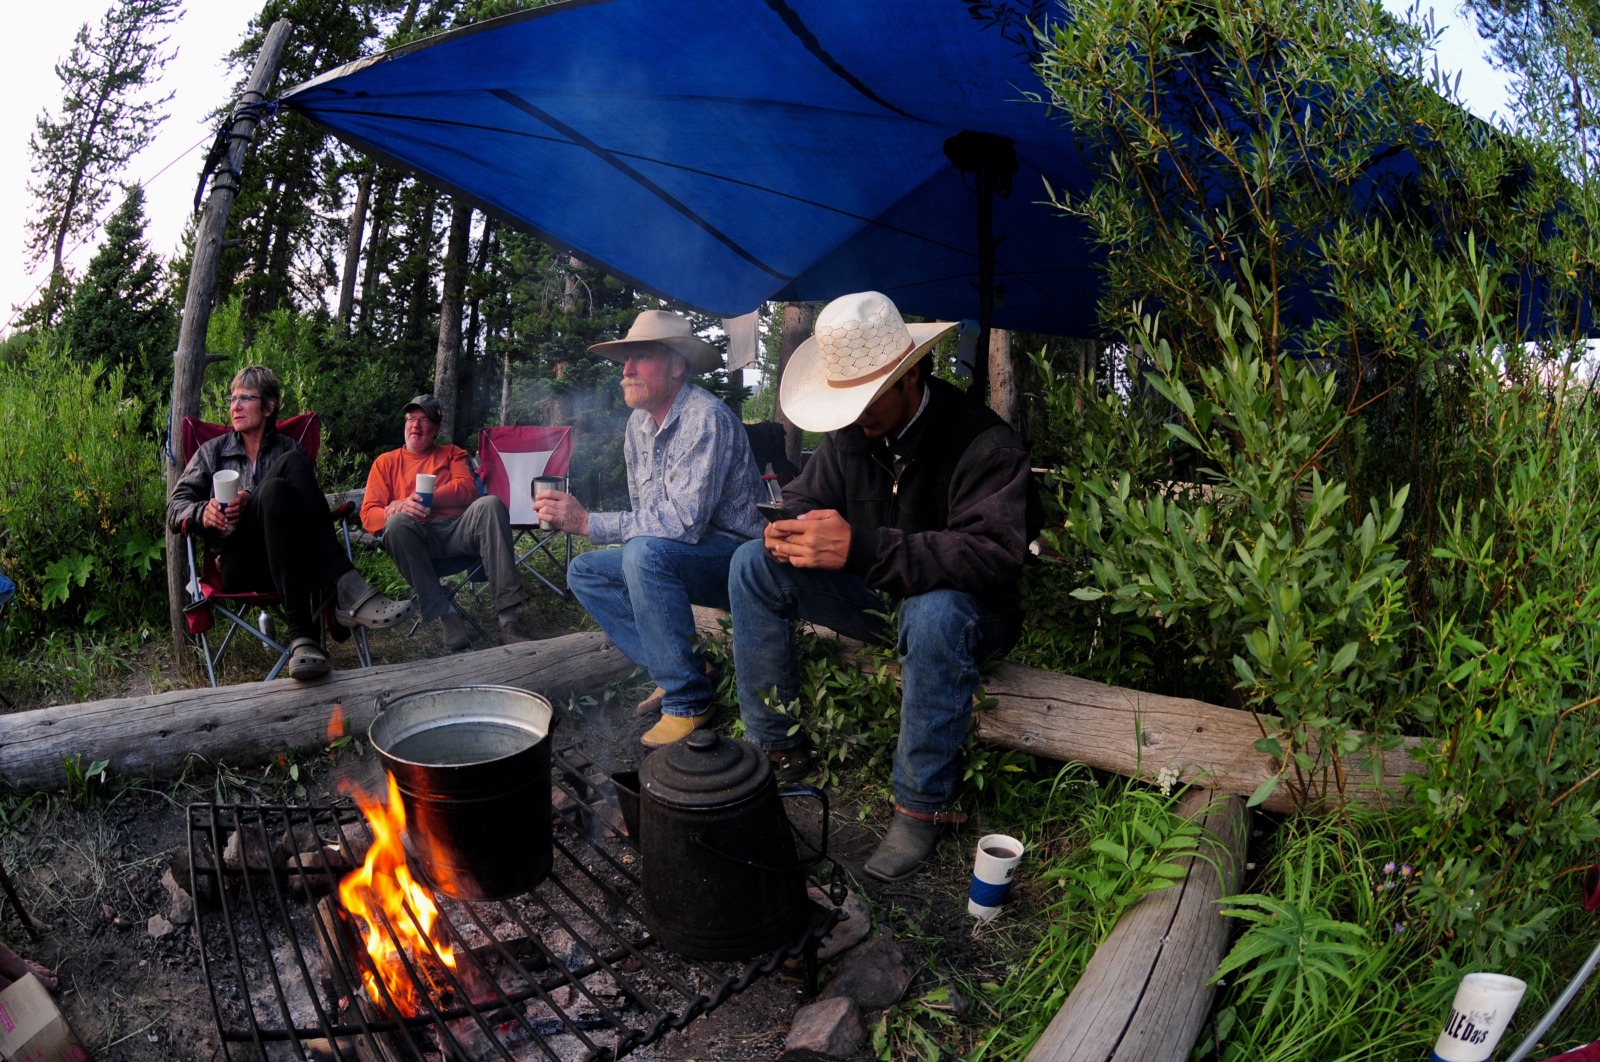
(565, 971)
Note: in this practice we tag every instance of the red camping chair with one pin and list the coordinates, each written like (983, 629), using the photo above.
(206, 595)
(510, 459)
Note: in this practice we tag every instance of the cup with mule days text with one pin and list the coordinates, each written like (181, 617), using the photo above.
(1478, 1018)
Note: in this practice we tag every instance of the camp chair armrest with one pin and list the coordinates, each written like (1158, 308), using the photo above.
(343, 511)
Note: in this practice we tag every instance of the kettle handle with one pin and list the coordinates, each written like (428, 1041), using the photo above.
(817, 794)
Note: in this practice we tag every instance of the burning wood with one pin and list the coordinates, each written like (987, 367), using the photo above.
(398, 914)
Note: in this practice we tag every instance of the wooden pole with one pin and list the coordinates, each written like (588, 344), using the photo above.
(1002, 376)
(798, 320)
(190, 359)
(1146, 993)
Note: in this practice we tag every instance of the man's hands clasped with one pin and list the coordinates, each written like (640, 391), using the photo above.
(817, 539)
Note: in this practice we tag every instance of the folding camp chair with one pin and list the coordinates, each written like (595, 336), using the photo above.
(510, 459)
(206, 595)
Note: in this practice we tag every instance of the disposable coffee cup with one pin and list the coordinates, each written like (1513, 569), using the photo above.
(992, 870)
(1478, 1018)
(225, 486)
(544, 483)
(425, 484)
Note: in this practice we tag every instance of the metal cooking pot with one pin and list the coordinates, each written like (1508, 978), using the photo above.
(719, 872)
(473, 767)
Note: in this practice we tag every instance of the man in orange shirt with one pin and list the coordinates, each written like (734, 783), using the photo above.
(457, 522)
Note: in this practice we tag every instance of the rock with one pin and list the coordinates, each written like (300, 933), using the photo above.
(248, 850)
(848, 933)
(875, 975)
(831, 1028)
(158, 927)
(180, 905)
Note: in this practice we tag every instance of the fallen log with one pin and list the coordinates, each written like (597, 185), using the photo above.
(155, 736)
(1145, 993)
(1140, 735)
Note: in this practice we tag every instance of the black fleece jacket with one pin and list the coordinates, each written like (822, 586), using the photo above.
(949, 505)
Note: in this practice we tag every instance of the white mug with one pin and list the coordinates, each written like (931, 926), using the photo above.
(425, 485)
(225, 485)
(993, 867)
(1478, 1018)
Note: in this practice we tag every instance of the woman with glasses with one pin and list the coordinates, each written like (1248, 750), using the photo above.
(275, 536)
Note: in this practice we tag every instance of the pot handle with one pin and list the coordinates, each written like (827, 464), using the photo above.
(817, 794)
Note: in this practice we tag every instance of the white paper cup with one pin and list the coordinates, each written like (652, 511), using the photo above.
(425, 485)
(225, 485)
(543, 483)
(1478, 1018)
(993, 867)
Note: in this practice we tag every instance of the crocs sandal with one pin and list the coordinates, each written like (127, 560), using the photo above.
(373, 611)
(306, 660)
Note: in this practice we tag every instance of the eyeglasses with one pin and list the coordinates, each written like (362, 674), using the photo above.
(243, 400)
(418, 418)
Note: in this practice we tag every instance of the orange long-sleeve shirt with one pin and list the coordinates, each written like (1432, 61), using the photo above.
(394, 475)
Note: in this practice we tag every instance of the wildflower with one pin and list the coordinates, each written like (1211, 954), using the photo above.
(1166, 779)
(1399, 927)
(1388, 868)
(1405, 870)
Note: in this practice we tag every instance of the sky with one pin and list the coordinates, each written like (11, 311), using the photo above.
(169, 167)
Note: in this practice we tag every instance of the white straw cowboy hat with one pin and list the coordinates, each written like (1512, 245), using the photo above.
(859, 348)
(659, 328)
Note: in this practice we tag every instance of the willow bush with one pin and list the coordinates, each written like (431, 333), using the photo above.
(81, 497)
(1350, 489)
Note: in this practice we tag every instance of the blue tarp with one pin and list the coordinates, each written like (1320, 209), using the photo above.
(729, 152)
(725, 153)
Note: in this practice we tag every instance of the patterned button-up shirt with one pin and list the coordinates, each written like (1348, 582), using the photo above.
(694, 477)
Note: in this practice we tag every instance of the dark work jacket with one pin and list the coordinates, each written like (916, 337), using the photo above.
(949, 505)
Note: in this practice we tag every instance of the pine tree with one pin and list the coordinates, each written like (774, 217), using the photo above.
(119, 313)
(107, 116)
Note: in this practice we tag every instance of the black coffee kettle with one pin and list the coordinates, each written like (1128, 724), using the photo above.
(719, 872)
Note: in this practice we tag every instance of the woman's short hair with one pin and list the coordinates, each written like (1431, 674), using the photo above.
(264, 382)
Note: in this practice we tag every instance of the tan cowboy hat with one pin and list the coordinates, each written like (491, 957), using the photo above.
(659, 328)
(859, 348)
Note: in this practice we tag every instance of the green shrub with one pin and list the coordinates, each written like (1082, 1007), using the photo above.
(82, 494)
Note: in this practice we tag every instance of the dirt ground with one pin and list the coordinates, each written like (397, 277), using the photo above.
(90, 873)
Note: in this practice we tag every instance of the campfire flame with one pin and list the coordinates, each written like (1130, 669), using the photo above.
(398, 913)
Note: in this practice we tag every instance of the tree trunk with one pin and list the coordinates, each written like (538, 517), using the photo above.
(352, 250)
(384, 189)
(1002, 376)
(158, 736)
(190, 358)
(480, 262)
(798, 320)
(447, 361)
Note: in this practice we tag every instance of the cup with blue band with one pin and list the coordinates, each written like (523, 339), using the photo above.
(992, 870)
(425, 482)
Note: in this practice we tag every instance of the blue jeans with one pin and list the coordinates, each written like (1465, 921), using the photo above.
(640, 595)
(944, 635)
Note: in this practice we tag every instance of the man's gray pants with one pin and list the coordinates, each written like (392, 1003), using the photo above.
(484, 530)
